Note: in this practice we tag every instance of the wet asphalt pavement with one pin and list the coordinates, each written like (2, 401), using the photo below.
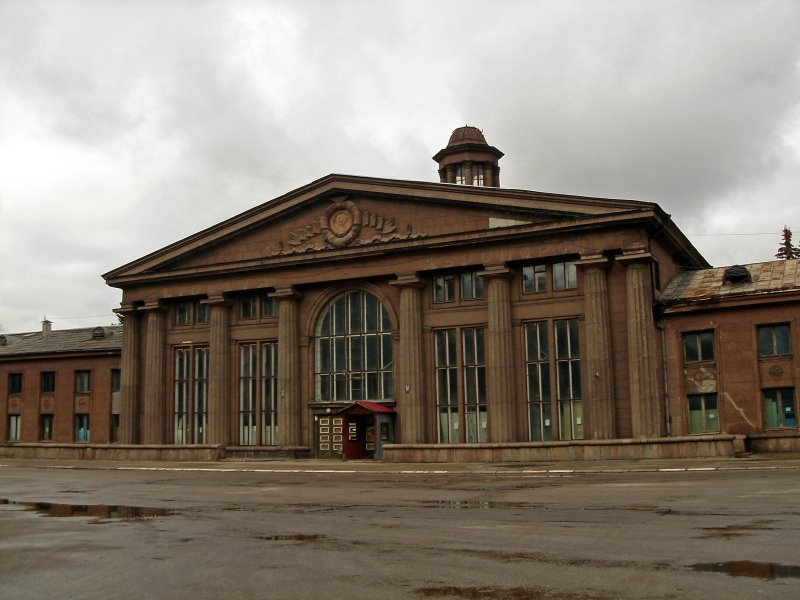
(727, 528)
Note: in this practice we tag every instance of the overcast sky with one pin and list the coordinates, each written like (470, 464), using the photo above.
(127, 125)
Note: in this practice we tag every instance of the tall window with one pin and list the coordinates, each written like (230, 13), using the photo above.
(202, 313)
(190, 408)
(46, 428)
(116, 380)
(703, 413)
(565, 276)
(568, 367)
(534, 279)
(15, 383)
(48, 382)
(269, 393)
(83, 382)
(354, 350)
(460, 176)
(248, 381)
(200, 401)
(537, 357)
(182, 382)
(475, 385)
(698, 346)
(774, 340)
(258, 394)
(779, 408)
(269, 306)
(14, 428)
(465, 407)
(447, 385)
(82, 430)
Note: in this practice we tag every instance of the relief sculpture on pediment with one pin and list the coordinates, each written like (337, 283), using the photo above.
(341, 225)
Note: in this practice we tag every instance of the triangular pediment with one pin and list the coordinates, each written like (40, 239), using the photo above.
(338, 213)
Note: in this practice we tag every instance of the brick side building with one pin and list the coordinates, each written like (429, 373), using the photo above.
(61, 386)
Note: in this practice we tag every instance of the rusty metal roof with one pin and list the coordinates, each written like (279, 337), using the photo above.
(711, 284)
(86, 339)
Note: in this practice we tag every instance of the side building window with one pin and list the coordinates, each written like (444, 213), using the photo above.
(703, 413)
(780, 410)
(774, 340)
(48, 382)
(82, 430)
(444, 288)
(698, 346)
(83, 382)
(15, 383)
(183, 313)
(471, 287)
(14, 428)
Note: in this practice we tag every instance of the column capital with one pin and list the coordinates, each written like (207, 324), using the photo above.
(152, 306)
(595, 259)
(408, 280)
(216, 300)
(636, 254)
(125, 310)
(289, 292)
(498, 270)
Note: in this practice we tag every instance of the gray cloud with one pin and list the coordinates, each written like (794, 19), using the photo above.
(128, 125)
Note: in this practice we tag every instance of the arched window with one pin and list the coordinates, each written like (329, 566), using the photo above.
(353, 350)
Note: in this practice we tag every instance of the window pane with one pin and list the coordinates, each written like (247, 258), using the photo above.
(707, 345)
(690, 348)
(782, 341)
(559, 279)
(571, 276)
(765, 345)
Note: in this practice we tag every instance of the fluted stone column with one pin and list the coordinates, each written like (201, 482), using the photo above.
(289, 402)
(129, 377)
(646, 414)
(410, 368)
(600, 400)
(155, 393)
(218, 428)
(500, 364)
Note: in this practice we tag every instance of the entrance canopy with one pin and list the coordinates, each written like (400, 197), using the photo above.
(362, 407)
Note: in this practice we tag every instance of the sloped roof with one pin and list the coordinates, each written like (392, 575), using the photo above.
(772, 277)
(85, 339)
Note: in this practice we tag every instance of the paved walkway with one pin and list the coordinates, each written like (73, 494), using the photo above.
(752, 462)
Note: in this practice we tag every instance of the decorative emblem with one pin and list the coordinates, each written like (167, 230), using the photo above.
(776, 370)
(343, 224)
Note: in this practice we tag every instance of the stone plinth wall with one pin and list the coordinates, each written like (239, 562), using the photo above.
(267, 452)
(113, 452)
(788, 441)
(661, 448)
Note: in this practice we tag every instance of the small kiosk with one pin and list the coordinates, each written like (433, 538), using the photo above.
(367, 427)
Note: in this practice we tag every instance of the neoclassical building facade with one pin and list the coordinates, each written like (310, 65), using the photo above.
(357, 312)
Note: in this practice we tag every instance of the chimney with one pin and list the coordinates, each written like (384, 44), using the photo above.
(46, 326)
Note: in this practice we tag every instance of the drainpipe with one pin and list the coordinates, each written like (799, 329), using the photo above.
(667, 420)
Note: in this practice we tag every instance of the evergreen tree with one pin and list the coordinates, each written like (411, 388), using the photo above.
(787, 250)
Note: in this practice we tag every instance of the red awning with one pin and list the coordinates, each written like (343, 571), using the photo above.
(374, 407)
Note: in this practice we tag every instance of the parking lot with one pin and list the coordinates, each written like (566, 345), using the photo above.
(311, 529)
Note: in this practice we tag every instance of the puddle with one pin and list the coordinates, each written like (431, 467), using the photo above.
(475, 504)
(99, 512)
(291, 537)
(747, 568)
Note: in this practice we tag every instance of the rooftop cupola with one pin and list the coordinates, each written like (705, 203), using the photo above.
(468, 159)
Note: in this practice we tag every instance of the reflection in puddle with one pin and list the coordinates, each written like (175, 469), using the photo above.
(96, 511)
(291, 537)
(747, 568)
